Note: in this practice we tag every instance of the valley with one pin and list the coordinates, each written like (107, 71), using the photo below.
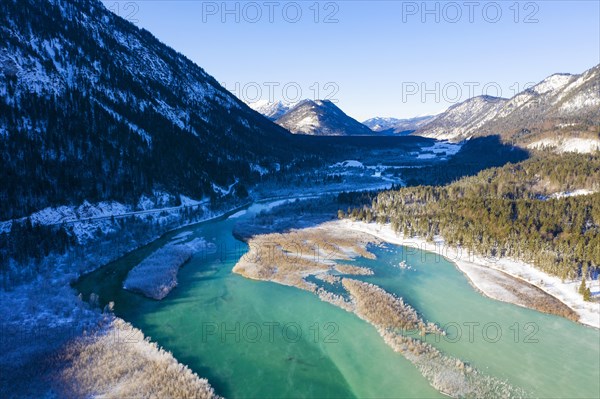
(208, 287)
(163, 237)
(226, 318)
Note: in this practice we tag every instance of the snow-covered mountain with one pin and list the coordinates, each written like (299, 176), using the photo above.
(561, 107)
(462, 119)
(321, 118)
(396, 126)
(94, 108)
(272, 110)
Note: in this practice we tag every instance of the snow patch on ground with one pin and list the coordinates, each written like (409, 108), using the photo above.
(257, 168)
(143, 134)
(580, 101)
(65, 214)
(445, 147)
(567, 145)
(223, 191)
(181, 236)
(307, 124)
(348, 164)
(5, 227)
(440, 149)
(187, 201)
(573, 193)
(238, 214)
(88, 219)
(159, 199)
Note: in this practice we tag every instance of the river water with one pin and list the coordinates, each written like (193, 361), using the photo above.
(255, 339)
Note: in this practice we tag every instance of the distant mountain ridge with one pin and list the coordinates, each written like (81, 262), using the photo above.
(396, 126)
(272, 110)
(321, 118)
(461, 120)
(562, 106)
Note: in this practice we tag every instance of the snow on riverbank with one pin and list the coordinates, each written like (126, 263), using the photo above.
(472, 265)
(156, 275)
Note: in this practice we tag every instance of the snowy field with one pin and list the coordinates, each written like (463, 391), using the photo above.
(573, 144)
(440, 150)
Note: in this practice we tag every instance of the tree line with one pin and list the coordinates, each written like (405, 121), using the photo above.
(508, 211)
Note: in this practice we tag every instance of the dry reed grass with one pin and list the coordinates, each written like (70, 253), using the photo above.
(119, 362)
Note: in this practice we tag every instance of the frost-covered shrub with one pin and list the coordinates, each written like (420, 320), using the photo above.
(119, 362)
(156, 275)
(385, 310)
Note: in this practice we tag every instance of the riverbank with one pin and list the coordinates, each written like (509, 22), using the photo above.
(125, 364)
(43, 315)
(502, 279)
(295, 257)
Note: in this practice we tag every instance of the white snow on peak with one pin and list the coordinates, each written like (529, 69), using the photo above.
(553, 83)
(378, 124)
(462, 119)
(272, 110)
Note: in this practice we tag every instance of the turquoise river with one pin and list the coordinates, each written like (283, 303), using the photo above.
(254, 339)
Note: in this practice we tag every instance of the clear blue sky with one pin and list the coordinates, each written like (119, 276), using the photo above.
(376, 58)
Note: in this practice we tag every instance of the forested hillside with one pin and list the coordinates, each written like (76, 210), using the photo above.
(94, 108)
(476, 154)
(520, 210)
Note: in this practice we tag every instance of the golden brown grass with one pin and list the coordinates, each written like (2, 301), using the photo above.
(535, 298)
(119, 362)
(328, 278)
(335, 299)
(288, 258)
(355, 270)
(447, 374)
(383, 309)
